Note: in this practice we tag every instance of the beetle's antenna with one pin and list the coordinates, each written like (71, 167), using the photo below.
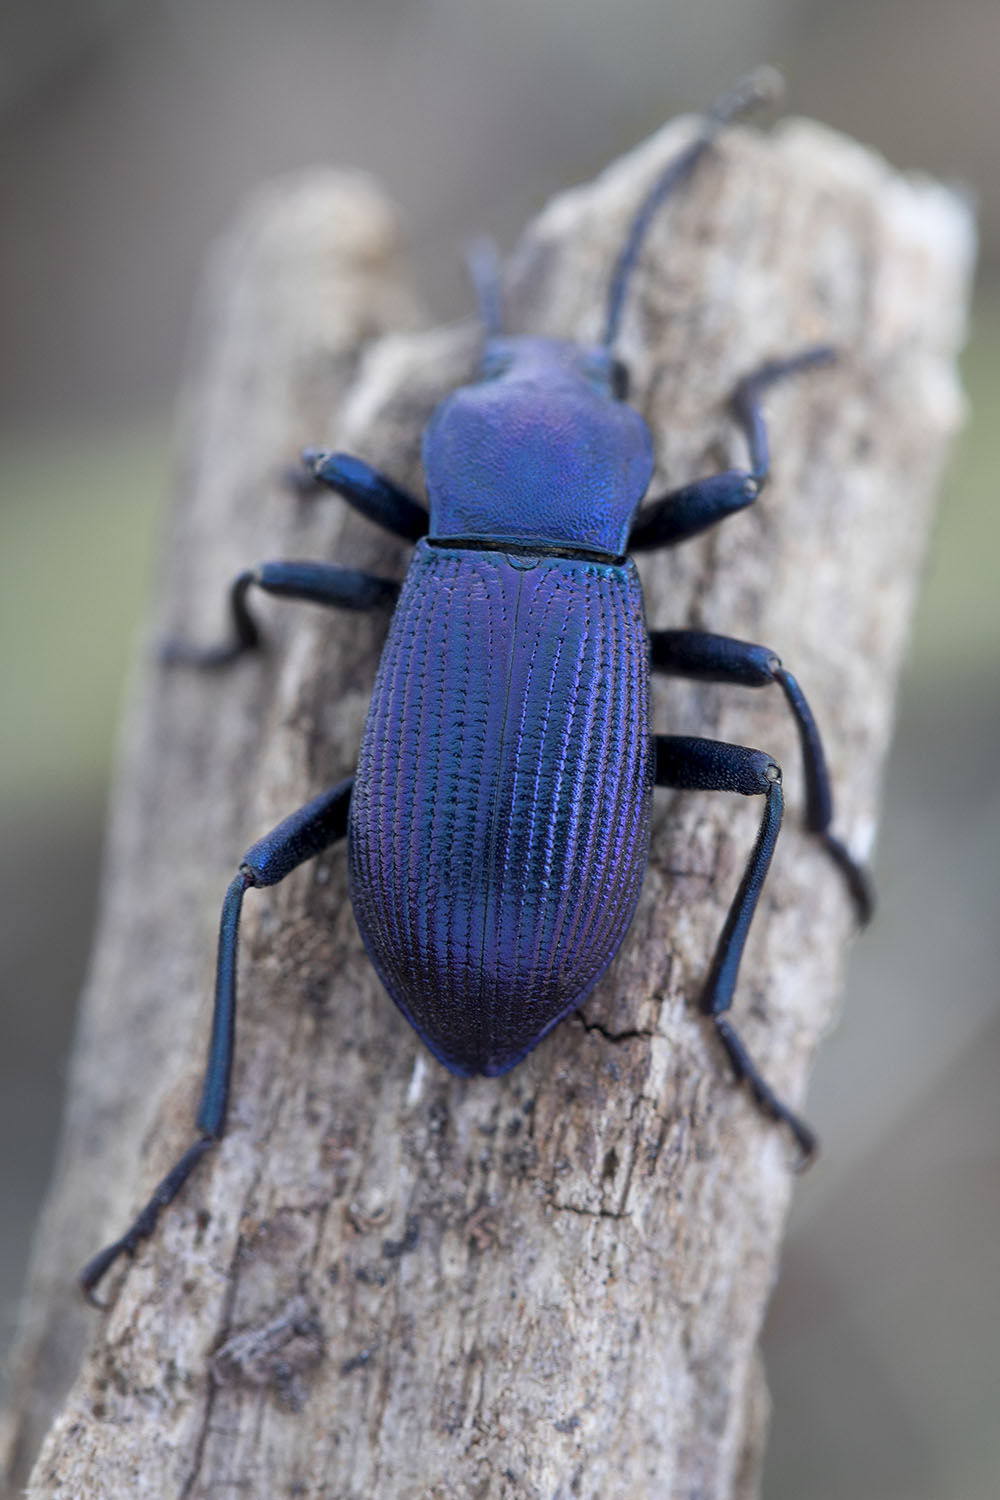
(762, 86)
(482, 261)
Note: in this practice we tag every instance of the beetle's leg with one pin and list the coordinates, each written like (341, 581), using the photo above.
(712, 766)
(685, 512)
(719, 658)
(692, 509)
(379, 499)
(305, 833)
(315, 583)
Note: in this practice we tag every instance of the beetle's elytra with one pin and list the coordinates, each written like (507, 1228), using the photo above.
(492, 895)
(498, 822)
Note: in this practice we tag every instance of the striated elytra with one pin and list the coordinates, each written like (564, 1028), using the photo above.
(499, 824)
(498, 821)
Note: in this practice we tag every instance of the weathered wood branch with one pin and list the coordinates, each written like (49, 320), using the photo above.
(389, 1281)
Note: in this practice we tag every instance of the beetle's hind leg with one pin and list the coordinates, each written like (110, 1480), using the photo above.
(316, 826)
(719, 658)
(712, 766)
(313, 583)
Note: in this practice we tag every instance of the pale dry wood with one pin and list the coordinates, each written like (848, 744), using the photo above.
(389, 1281)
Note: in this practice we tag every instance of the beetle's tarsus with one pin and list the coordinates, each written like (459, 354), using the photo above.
(857, 879)
(174, 651)
(766, 1100)
(145, 1221)
(809, 1150)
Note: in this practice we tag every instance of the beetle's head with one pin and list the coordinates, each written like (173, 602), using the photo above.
(540, 450)
(523, 360)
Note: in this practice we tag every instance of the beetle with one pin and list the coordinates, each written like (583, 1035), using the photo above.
(498, 822)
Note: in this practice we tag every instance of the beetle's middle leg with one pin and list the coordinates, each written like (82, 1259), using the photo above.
(712, 766)
(317, 825)
(314, 583)
(719, 658)
(685, 512)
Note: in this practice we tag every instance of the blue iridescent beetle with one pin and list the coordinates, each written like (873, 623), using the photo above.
(498, 822)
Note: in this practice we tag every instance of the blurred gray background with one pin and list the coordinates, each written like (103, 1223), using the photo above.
(129, 131)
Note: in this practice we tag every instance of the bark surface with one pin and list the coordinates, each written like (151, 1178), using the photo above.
(389, 1281)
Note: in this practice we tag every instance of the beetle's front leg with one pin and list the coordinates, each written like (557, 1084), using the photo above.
(314, 583)
(316, 826)
(719, 658)
(711, 766)
(693, 508)
(377, 497)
